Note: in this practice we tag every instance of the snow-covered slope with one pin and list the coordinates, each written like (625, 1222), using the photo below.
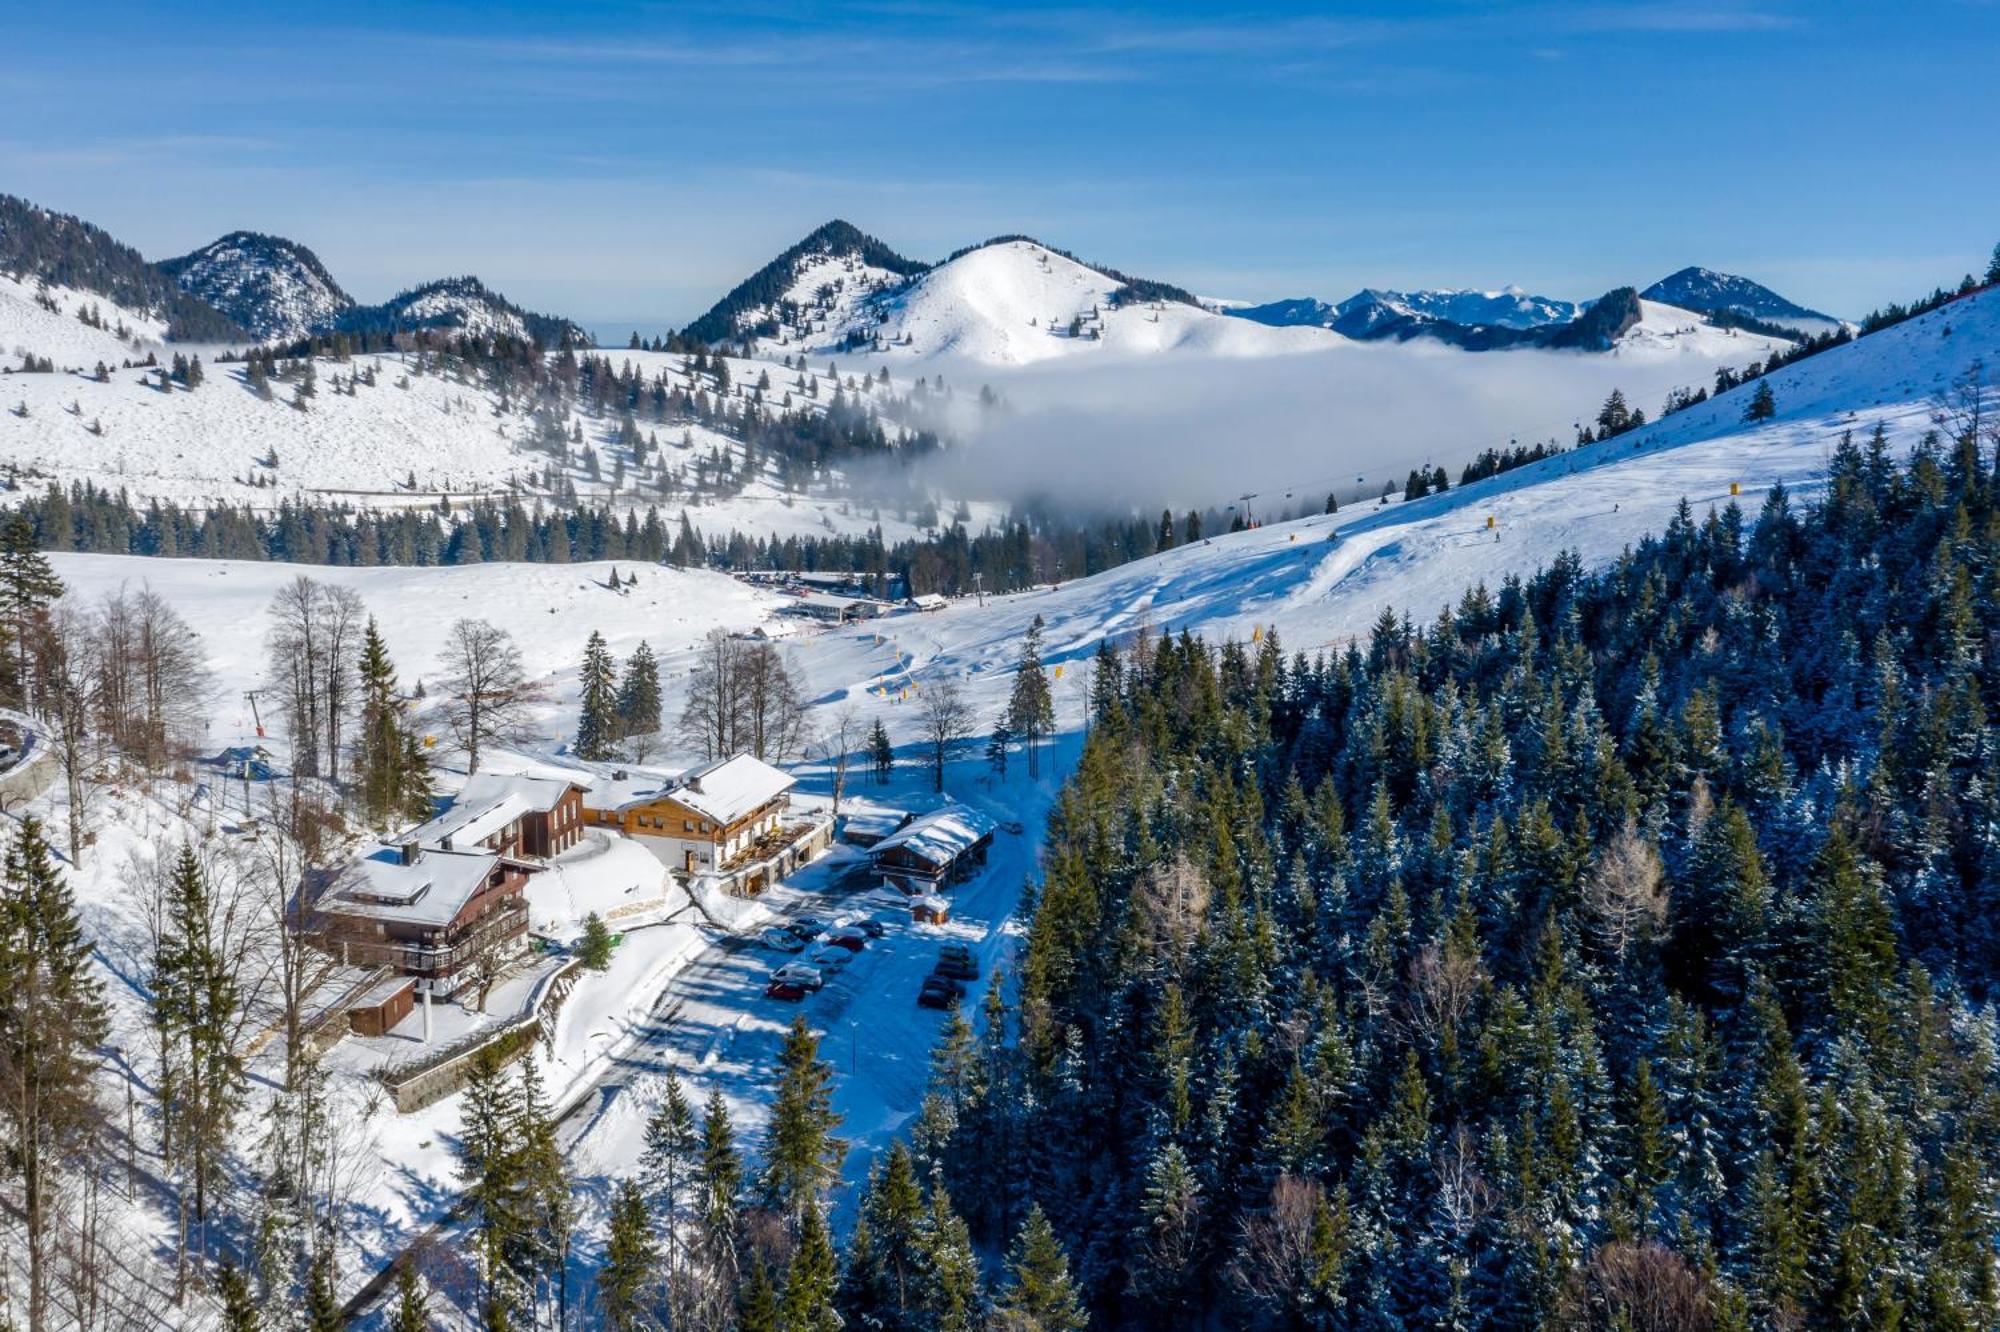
(41, 246)
(74, 329)
(1666, 331)
(1016, 301)
(275, 288)
(1709, 292)
(410, 438)
(1320, 581)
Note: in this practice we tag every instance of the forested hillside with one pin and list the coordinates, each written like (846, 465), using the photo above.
(67, 251)
(1613, 952)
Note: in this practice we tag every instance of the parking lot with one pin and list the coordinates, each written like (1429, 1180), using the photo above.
(717, 1024)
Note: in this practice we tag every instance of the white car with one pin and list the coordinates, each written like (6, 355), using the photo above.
(832, 958)
(782, 941)
(798, 973)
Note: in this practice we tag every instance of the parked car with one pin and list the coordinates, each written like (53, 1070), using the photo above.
(850, 938)
(939, 992)
(800, 973)
(832, 958)
(957, 962)
(785, 990)
(869, 926)
(1011, 827)
(782, 940)
(807, 927)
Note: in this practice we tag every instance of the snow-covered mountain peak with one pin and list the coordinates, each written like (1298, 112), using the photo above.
(1708, 292)
(811, 290)
(465, 305)
(275, 288)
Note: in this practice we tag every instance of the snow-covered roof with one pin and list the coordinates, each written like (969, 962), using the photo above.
(728, 789)
(874, 821)
(488, 803)
(542, 794)
(468, 823)
(429, 890)
(940, 836)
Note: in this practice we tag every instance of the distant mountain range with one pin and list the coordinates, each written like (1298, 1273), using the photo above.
(841, 289)
(246, 287)
(1008, 299)
(1481, 320)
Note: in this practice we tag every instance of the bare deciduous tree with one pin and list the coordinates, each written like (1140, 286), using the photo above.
(68, 689)
(489, 698)
(946, 719)
(1170, 903)
(1641, 1286)
(151, 683)
(836, 745)
(313, 641)
(1444, 982)
(774, 715)
(713, 712)
(1626, 894)
(743, 697)
(1278, 1255)
(291, 843)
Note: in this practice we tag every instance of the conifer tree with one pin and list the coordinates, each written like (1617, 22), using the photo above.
(195, 1010)
(626, 1280)
(639, 694)
(810, 1279)
(757, 1308)
(952, 1298)
(1763, 404)
(239, 1302)
(390, 768)
(1031, 710)
(669, 1168)
(801, 1155)
(28, 586)
(881, 754)
(322, 1304)
(597, 722)
(718, 1184)
(52, 1016)
(1039, 1295)
(490, 1169)
(413, 1313)
(547, 1189)
(593, 949)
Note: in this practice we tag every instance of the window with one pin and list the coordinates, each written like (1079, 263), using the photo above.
(687, 825)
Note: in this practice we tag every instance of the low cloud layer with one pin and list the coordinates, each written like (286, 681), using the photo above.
(1182, 430)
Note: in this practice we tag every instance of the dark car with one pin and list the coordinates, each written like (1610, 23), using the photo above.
(807, 927)
(957, 962)
(786, 991)
(939, 992)
(869, 926)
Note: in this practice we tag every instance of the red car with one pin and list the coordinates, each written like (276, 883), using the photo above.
(786, 991)
(852, 940)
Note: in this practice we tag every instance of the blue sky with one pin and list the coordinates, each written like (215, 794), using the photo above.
(625, 163)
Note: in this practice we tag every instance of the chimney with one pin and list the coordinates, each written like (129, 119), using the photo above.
(407, 853)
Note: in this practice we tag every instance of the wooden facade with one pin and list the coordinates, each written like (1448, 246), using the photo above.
(363, 928)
